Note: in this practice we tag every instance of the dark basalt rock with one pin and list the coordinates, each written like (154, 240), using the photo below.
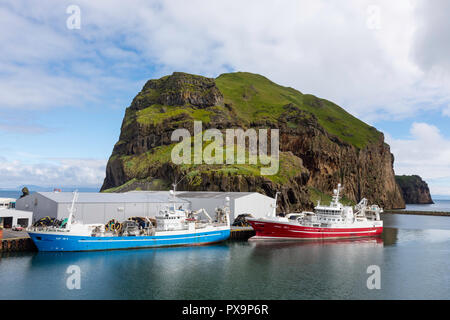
(177, 90)
(320, 159)
(414, 189)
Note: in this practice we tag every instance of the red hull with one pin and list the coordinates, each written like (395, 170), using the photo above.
(274, 230)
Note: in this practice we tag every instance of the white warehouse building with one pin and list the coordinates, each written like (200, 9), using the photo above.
(254, 203)
(102, 207)
(97, 207)
(10, 217)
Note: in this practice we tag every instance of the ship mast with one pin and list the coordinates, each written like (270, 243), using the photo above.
(336, 195)
(175, 188)
(274, 212)
(72, 209)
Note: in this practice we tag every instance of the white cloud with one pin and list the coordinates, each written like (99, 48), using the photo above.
(426, 153)
(315, 46)
(432, 46)
(318, 47)
(446, 111)
(44, 65)
(440, 188)
(23, 129)
(54, 173)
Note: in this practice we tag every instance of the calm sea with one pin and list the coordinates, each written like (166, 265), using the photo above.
(439, 205)
(16, 194)
(10, 194)
(413, 257)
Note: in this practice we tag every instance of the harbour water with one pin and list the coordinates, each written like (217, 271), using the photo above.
(412, 255)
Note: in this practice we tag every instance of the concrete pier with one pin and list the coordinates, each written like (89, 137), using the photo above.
(423, 213)
(17, 244)
(13, 241)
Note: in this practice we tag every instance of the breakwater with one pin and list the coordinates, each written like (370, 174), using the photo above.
(425, 213)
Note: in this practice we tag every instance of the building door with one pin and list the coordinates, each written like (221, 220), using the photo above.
(7, 222)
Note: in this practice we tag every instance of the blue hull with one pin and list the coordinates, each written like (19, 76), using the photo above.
(56, 242)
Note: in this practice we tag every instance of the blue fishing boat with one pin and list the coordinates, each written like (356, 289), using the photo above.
(171, 227)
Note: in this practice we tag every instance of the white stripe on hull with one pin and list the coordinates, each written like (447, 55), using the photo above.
(267, 238)
(332, 232)
(164, 239)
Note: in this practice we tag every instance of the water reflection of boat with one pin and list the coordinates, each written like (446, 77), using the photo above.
(47, 259)
(376, 241)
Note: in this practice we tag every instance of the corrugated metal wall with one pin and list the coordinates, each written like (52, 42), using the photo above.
(39, 205)
(256, 204)
(90, 212)
(103, 212)
(209, 204)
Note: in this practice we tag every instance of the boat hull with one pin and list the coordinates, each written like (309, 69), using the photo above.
(269, 230)
(45, 241)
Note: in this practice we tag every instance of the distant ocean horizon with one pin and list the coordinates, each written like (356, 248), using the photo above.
(17, 193)
(438, 206)
(10, 194)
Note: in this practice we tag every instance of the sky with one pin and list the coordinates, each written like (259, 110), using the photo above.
(68, 70)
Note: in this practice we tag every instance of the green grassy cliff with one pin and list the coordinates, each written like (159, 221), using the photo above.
(320, 143)
(258, 98)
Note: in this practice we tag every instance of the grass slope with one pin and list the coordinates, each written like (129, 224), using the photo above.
(252, 97)
(256, 97)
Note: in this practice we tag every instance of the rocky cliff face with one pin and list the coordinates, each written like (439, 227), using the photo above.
(414, 189)
(321, 145)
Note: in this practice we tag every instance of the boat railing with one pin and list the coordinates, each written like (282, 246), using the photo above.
(47, 229)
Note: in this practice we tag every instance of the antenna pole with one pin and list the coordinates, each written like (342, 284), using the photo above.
(274, 213)
(176, 183)
(72, 209)
(336, 194)
(173, 194)
(175, 188)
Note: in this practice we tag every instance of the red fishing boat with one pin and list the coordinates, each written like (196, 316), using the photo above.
(326, 222)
